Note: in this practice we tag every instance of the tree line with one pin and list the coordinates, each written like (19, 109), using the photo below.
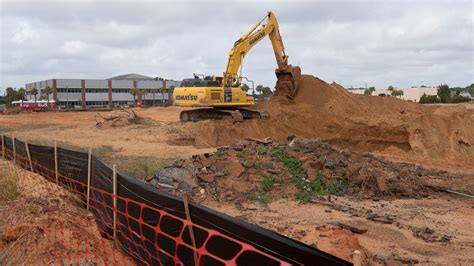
(135, 92)
(448, 95)
(392, 92)
(13, 94)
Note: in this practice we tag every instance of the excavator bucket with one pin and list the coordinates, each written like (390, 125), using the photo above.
(287, 81)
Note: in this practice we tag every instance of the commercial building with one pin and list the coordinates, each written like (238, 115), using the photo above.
(104, 93)
(409, 94)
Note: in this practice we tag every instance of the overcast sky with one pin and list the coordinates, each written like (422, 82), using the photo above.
(381, 43)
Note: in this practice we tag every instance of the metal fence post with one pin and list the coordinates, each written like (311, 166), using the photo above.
(56, 162)
(89, 178)
(114, 184)
(14, 149)
(3, 146)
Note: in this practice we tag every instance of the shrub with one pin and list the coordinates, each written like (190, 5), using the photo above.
(429, 99)
(267, 183)
(460, 99)
(8, 184)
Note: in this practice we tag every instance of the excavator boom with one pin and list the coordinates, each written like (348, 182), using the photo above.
(287, 75)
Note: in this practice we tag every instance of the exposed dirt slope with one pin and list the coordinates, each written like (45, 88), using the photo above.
(377, 124)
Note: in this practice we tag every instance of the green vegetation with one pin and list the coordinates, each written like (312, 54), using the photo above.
(446, 95)
(309, 188)
(460, 99)
(369, 91)
(34, 92)
(306, 188)
(8, 185)
(262, 198)
(242, 154)
(220, 153)
(264, 93)
(238, 206)
(429, 98)
(263, 150)
(259, 166)
(11, 95)
(47, 91)
(225, 172)
(134, 92)
(267, 183)
(149, 167)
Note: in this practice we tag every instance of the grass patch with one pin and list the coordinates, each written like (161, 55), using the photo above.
(238, 206)
(306, 188)
(9, 189)
(225, 173)
(242, 154)
(149, 167)
(262, 165)
(262, 198)
(263, 150)
(267, 183)
(220, 153)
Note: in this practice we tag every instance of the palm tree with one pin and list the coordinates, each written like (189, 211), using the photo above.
(34, 92)
(22, 93)
(48, 90)
(170, 94)
(134, 92)
(162, 91)
(143, 93)
(154, 91)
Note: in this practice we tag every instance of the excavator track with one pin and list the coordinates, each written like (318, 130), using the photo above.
(235, 114)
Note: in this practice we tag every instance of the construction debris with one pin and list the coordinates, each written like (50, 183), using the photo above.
(302, 168)
(353, 228)
(119, 118)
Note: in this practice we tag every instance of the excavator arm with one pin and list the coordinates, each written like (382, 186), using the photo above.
(288, 75)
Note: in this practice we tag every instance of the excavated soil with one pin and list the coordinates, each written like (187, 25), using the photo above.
(335, 199)
(376, 124)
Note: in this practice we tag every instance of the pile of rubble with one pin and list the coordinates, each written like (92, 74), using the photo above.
(301, 168)
(120, 118)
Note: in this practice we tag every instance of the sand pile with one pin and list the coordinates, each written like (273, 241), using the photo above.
(329, 112)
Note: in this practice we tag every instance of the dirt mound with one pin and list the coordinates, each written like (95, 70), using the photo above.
(376, 124)
(302, 168)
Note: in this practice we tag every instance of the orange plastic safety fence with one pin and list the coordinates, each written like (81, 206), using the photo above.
(149, 235)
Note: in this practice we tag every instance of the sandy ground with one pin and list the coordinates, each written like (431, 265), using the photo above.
(314, 223)
(42, 224)
(78, 129)
(317, 225)
(432, 228)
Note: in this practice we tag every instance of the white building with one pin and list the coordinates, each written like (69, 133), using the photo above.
(105, 93)
(409, 94)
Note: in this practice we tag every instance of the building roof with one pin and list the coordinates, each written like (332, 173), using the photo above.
(131, 76)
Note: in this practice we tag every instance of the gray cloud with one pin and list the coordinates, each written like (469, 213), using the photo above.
(382, 43)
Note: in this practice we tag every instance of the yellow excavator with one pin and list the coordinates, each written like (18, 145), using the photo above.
(223, 97)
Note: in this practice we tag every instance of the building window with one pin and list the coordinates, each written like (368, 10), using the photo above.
(101, 90)
(97, 103)
(120, 90)
(69, 90)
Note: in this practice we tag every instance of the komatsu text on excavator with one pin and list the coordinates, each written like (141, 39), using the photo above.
(223, 97)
